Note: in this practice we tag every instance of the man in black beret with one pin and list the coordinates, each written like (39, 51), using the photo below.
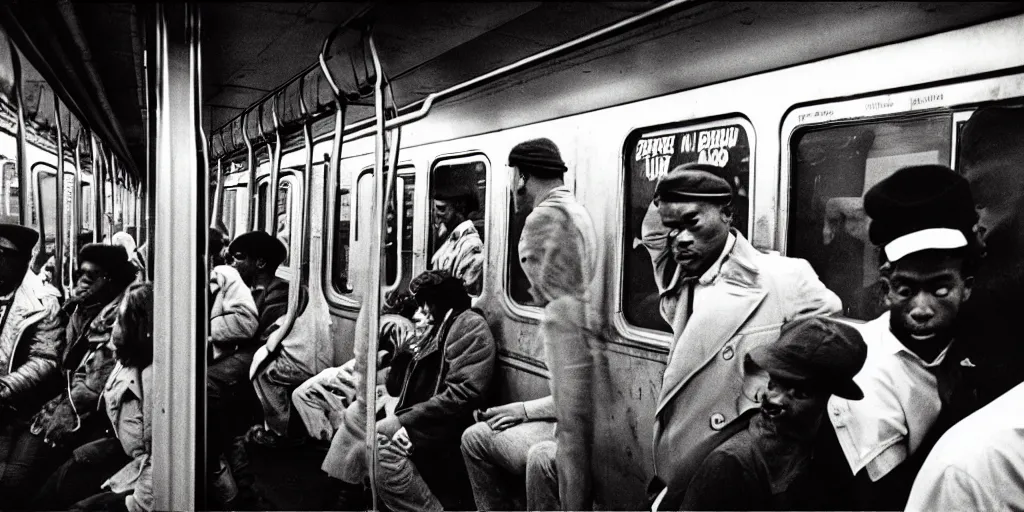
(992, 160)
(232, 403)
(922, 220)
(768, 465)
(558, 254)
(31, 335)
(722, 298)
(461, 250)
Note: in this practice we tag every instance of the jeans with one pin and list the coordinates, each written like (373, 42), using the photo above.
(231, 406)
(399, 483)
(24, 460)
(494, 459)
(82, 475)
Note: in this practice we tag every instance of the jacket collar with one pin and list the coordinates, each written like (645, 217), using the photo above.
(464, 227)
(28, 296)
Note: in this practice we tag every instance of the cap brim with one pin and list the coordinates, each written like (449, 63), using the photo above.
(763, 358)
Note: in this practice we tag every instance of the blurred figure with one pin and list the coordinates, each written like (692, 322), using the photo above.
(122, 239)
(768, 465)
(992, 160)
(120, 462)
(721, 296)
(978, 464)
(233, 318)
(460, 249)
(558, 253)
(922, 219)
(31, 337)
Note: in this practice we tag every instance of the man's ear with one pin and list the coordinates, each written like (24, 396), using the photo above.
(886, 287)
(968, 286)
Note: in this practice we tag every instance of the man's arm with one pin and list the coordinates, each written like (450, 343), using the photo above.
(46, 341)
(807, 296)
(540, 408)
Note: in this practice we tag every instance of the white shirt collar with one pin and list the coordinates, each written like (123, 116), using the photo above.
(892, 345)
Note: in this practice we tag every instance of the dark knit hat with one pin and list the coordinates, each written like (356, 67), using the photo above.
(538, 157)
(20, 239)
(457, 184)
(819, 351)
(693, 182)
(991, 130)
(920, 208)
(436, 283)
(260, 244)
(113, 259)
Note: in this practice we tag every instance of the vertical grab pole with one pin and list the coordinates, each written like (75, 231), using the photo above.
(218, 195)
(97, 192)
(24, 173)
(334, 170)
(76, 208)
(58, 239)
(375, 275)
(250, 159)
(275, 168)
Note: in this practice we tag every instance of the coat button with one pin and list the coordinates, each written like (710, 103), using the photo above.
(727, 353)
(717, 421)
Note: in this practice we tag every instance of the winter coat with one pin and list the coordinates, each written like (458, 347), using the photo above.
(30, 343)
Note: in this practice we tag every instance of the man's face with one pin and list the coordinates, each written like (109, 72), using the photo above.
(91, 278)
(698, 231)
(924, 293)
(521, 198)
(12, 269)
(247, 265)
(444, 217)
(997, 184)
(793, 407)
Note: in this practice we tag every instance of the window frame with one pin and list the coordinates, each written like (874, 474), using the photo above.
(641, 337)
(294, 180)
(460, 158)
(877, 106)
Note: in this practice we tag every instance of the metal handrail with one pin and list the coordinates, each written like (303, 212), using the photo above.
(275, 168)
(250, 187)
(366, 127)
(58, 238)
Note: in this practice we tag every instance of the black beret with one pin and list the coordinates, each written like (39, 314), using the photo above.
(990, 130)
(693, 182)
(538, 157)
(21, 238)
(458, 183)
(113, 259)
(917, 198)
(260, 244)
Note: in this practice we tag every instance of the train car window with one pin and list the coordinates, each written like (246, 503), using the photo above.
(284, 218)
(262, 198)
(458, 189)
(518, 284)
(228, 211)
(649, 154)
(342, 231)
(398, 250)
(10, 213)
(47, 202)
(87, 203)
(832, 166)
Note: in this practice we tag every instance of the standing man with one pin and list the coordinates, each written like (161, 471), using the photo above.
(722, 298)
(992, 160)
(461, 251)
(922, 219)
(558, 254)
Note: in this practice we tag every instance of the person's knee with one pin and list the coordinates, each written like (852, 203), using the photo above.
(476, 438)
(540, 460)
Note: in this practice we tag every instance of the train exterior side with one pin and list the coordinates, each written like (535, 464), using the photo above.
(945, 74)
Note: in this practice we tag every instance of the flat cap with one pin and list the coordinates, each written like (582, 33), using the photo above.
(693, 182)
(819, 351)
(18, 238)
(539, 157)
(920, 208)
(260, 244)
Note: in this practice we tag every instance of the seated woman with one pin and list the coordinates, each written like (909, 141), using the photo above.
(439, 379)
(321, 400)
(121, 462)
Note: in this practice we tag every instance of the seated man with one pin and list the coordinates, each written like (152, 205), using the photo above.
(978, 464)
(512, 444)
(767, 466)
(460, 249)
(321, 400)
(31, 336)
(922, 219)
(233, 315)
(439, 379)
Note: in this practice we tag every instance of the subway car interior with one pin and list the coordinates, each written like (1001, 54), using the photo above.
(296, 186)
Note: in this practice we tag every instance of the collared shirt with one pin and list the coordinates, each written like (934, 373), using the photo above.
(756, 469)
(462, 254)
(901, 403)
(674, 302)
(979, 463)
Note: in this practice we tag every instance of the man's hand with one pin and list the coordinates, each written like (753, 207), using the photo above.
(504, 416)
(388, 426)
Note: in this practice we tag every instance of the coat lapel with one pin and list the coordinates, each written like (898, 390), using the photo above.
(724, 308)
